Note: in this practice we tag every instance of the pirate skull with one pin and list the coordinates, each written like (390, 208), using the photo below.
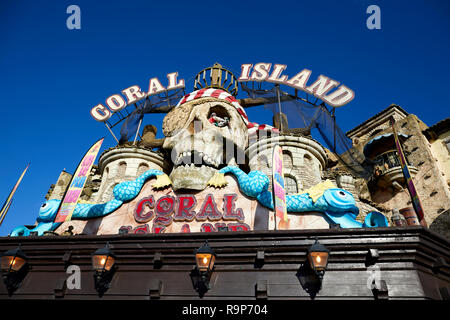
(204, 135)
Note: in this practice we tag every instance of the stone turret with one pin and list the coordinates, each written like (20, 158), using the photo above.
(57, 190)
(124, 163)
(303, 157)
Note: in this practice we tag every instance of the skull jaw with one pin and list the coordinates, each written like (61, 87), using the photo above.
(191, 177)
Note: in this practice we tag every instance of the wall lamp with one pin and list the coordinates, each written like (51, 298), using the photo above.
(14, 265)
(318, 259)
(204, 258)
(103, 263)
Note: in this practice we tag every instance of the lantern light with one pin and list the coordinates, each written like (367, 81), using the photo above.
(14, 267)
(205, 259)
(103, 263)
(318, 258)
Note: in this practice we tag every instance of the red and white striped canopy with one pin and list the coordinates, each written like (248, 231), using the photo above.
(252, 127)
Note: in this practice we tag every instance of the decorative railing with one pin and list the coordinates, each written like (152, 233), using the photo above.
(387, 161)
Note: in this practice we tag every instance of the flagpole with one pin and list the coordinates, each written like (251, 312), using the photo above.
(111, 132)
(6, 210)
(139, 126)
(408, 179)
(279, 106)
(8, 201)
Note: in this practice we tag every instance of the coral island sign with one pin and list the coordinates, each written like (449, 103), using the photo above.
(319, 88)
(261, 72)
(167, 209)
(134, 94)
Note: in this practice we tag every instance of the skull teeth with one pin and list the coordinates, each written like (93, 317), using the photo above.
(193, 158)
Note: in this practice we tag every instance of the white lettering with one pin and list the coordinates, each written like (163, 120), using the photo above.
(133, 94)
(116, 102)
(155, 87)
(100, 113)
(275, 76)
(261, 71)
(339, 97)
(199, 310)
(173, 81)
(299, 80)
(245, 72)
(321, 86)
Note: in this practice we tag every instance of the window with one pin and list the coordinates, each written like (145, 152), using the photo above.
(287, 159)
(142, 168)
(121, 170)
(291, 184)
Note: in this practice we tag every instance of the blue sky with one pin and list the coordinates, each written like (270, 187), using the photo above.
(51, 76)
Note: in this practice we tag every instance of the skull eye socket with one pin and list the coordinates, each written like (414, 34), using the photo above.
(218, 116)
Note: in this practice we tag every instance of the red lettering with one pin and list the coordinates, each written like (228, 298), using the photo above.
(207, 227)
(184, 210)
(220, 226)
(229, 211)
(185, 228)
(141, 229)
(164, 209)
(158, 228)
(139, 212)
(209, 210)
(238, 227)
(165, 205)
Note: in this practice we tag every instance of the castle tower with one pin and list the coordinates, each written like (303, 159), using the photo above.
(303, 157)
(125, 163)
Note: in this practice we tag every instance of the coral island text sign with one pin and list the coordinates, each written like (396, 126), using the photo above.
(319, 88)
(249, 72)
(133, 94)
(167, 209)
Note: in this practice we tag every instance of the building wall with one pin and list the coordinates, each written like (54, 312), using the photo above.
(428, 158)
(280, 272)
(441, 152)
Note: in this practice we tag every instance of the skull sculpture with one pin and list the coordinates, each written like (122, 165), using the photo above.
(203, 135)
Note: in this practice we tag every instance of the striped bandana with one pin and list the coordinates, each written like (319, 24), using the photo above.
(252, 127)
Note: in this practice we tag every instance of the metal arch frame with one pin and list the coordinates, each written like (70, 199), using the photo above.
(139, 105)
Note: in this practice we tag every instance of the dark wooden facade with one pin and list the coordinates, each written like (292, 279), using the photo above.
(250, 265)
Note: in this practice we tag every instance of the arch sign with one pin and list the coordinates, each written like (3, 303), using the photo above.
(259, 72)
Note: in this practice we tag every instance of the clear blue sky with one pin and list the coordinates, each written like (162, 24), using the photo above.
(51, 76)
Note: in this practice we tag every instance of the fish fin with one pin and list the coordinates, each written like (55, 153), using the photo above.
(162, 181)
(317, 191)
(218, 180)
